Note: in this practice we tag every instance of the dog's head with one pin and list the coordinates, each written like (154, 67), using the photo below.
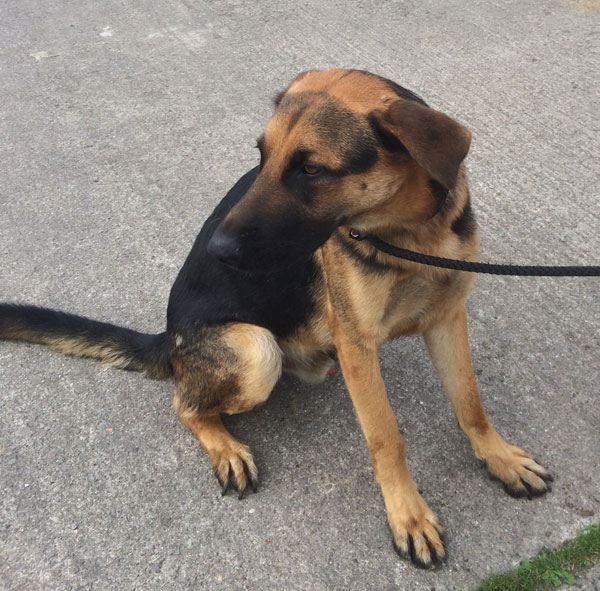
(344, 147)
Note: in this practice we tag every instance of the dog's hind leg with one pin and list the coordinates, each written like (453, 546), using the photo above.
(448, 345)
(227, 369)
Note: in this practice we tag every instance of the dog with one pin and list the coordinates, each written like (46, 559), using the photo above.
(274, 282)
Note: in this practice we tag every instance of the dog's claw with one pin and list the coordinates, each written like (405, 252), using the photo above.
(418, 538)
(253, 484)
(435, 559)
(226, 484)
(250, 478)
(529, 491)
(246, 476)
(405, 554)
(520, 475)
(546, 477)
(412, 554)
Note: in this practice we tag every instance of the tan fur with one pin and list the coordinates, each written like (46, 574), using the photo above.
(109, 355)
(259, 365)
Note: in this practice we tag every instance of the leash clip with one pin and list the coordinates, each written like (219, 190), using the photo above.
(356, 235)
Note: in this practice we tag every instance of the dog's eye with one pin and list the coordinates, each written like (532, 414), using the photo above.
(311, 169)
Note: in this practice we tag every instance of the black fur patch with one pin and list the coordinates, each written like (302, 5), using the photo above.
(464, 225)
(387, 139)
(442, 196)
(358, 159)
(340, 127)
(207, 292)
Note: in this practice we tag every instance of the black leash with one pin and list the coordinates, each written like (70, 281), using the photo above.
(522, 270)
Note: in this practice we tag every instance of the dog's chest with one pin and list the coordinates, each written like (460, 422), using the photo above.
(408, 303)
(380, 306)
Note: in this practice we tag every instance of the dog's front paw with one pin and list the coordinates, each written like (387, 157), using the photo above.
(234, 467)
(519, 473)
(417, 534)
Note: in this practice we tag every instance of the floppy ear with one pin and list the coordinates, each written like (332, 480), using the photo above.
(435, 141)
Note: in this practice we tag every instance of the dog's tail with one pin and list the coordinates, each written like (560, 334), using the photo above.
(82, 337)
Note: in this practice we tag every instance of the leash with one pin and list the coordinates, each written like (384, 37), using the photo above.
(520, 270)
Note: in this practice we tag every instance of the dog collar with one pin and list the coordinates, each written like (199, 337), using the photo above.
(356, 235)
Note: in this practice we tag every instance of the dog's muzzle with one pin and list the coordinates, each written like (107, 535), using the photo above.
(226, 247)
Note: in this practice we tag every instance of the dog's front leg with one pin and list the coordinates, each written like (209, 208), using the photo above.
(414, 526)
(448, 344)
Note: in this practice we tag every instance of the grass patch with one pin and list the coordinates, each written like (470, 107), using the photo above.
(550, 568)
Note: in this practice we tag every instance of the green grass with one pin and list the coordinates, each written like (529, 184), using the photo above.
(550, 568)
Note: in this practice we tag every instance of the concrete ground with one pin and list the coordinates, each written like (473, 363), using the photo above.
(122, 124)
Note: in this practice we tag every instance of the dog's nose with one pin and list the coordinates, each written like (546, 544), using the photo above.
(225, 246)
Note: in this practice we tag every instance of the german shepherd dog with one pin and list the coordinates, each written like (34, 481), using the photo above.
(274, 282)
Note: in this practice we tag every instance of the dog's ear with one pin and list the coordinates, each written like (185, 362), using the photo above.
(435, 141)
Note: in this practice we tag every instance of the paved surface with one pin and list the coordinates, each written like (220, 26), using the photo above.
(587, 581)
(122, 125)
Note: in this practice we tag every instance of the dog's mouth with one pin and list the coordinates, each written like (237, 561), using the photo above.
(265, 269)
(250, 252)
